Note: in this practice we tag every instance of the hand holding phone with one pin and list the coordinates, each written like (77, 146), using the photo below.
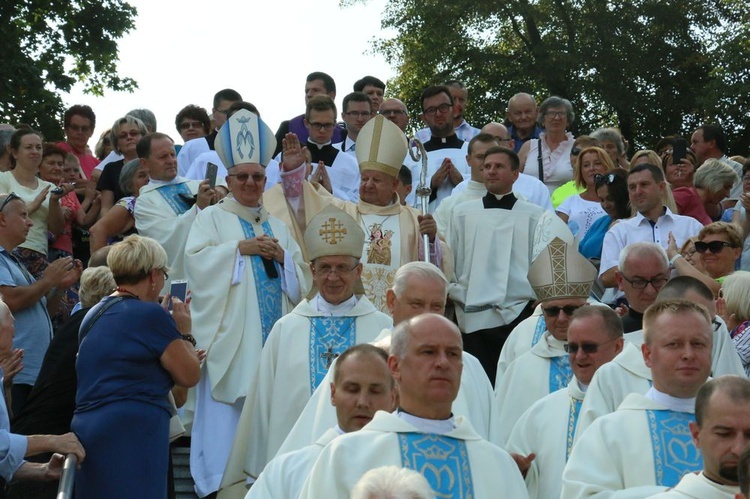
(178, 289)
(211, 171)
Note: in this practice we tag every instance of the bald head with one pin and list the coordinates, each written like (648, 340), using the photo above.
(522, 112)
(495, 129)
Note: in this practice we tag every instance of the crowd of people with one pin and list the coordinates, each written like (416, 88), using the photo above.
(339, 309)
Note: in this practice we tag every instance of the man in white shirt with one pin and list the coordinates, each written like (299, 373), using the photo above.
(361, 386)
(721, 431)
(653, 222)
(426, 362)
(645, 446)
(356, 110)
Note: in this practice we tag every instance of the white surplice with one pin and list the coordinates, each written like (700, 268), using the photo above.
(461, 461)
(532, 376)
(293, 362)
(635, 452)
(473, 401)
(285, 475)
(547, 428)
(697, 486)
(434, 161)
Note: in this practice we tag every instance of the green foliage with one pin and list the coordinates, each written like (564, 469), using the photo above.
(650, 67)
(48, 46)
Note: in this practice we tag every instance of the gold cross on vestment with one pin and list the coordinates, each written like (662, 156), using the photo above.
(332, 231)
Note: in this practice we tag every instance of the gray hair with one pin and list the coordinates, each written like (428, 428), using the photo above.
(420, 269)
(146, 116)
(555, 101)
(610, 135)
(127, 174)
(392, 482)
(713, 175)
(736, 292)
(643, 249)
(96, 283)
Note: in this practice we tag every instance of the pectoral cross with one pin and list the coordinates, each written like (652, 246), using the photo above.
(332, 231)
(328, 355)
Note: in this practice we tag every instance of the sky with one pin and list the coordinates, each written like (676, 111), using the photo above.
(264, 50)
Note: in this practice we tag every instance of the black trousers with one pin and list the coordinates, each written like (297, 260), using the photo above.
(486, 344)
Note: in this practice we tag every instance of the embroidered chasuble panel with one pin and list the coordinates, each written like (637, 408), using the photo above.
(560, 373)
(381, 256)
(443, 461)
(541, 327)
(575, 411)
(674, 452)
(329, 338)
(171, 195)
(267, 290)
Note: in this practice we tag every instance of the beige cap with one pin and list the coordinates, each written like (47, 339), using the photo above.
(561, 272)
(333, 232)
(381, 146)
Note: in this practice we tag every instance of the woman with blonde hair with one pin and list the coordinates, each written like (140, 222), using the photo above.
(734, 307)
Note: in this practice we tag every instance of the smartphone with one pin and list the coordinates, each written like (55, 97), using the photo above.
(178, 289)
(211, 171)
(679, 150)
(57, 190)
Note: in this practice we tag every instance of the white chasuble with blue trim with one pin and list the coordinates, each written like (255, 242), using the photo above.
(267, 290)
(443, 461)
(171, 195)
(575, 410)
(329, 338)
(541, 327)
(675, 454)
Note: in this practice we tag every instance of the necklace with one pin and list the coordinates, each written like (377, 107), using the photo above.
(126, 292)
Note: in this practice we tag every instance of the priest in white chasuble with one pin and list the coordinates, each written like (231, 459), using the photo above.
(422, 434)
(562, 279)
(393, 233)
(361, 386)
(418, 288)
(246, 272)
(645, 446)
(548, 427)
(494, 241)
(303, 344)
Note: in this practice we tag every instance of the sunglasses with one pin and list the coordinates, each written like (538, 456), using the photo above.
(714, 246)
(11, 197)
(607, 179)
(555, 311)
(587, 348)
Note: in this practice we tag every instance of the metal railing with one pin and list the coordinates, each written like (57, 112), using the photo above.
(65, 488)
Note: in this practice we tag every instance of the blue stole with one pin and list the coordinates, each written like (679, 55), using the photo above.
(171, 194)
(329, 338)
(575, 410)
(443, 461)
(560, 373)
(541, 326)
(675, 454)
(267, 290)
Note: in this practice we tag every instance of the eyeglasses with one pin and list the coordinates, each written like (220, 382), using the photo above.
(131, 133)
(637, 283)
(242, 177)
(166, 276)
(326, 270)
(746, 179)
(555, 311)
(358, 114)
(10, 197)
(190, 124)
(391, 112)
(575, 151)
(607, 179)
(322, 126)
(714, 246)
(588, 348)
(442, 108)
(79, 128)
(555, 114)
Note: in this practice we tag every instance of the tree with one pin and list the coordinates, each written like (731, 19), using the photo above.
(650, 67)
(49, 45)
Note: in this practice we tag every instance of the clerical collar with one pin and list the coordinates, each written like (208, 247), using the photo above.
(582, 386)
(670, 402)
(338, 430)
(331, 310)
(450, 142)
(502, 201)
(436, 426)
(176, 180)
(319, 146)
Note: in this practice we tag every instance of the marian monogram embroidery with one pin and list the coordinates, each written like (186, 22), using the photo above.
(675, 454)
(245, 138)
(443, 461)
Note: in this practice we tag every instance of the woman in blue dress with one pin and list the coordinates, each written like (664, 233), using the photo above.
(131, 354)
(612, 190)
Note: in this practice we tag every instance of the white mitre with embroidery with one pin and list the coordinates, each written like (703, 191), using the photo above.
(381, 146)
(560, 272)
(333, 232)
(245, 138)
